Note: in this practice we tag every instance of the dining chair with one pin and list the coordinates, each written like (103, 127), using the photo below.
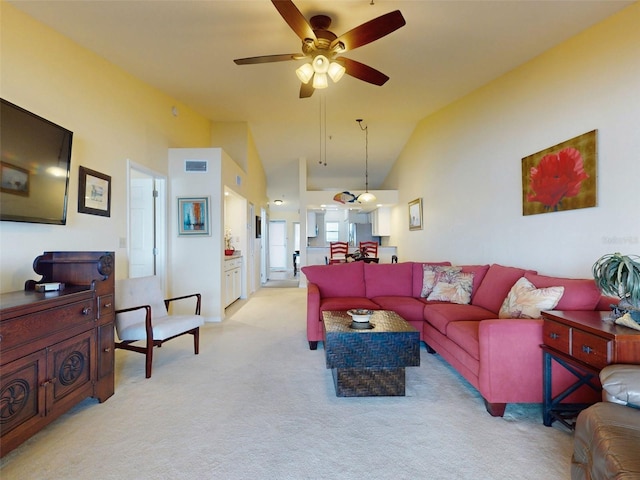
(338, 252)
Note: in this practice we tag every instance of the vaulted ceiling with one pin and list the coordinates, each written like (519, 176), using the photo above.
(447, 49)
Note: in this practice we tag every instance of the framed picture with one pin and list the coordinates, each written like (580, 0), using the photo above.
(193, 216)
(562, 177)
(415, 214)
(14, 179)
(94, 193)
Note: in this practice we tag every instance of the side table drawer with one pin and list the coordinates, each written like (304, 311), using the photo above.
(591, 349)
(557, 336)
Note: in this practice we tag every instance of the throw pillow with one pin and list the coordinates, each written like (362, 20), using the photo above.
(526, 301)
(453, 287)
(430, 274)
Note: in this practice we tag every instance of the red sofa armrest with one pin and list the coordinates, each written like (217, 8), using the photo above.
(510, 360)
(314, 327)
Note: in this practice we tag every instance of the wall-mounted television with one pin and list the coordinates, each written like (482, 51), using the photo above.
(35, 157)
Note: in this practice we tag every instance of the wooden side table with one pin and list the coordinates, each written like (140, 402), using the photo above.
(583, 342)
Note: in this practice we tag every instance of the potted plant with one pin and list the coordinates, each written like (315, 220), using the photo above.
(228, 248)
(619, 276)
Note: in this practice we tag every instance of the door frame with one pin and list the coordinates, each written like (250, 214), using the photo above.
(161, 212)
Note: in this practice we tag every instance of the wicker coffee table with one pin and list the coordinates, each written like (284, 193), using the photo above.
(370, 362)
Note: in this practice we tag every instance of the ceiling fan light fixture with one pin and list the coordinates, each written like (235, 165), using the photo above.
(305, 73)
(336, 71)
(320, 81)
(320, 64)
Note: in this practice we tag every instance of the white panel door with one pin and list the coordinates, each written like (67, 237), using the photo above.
(142, 226)
(278, 245)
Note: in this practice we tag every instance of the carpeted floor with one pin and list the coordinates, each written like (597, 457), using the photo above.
(258, 404)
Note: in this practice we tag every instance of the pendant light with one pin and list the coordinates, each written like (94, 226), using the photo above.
(367, 196)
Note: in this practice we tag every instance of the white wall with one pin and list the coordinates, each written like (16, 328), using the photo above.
(465, 160)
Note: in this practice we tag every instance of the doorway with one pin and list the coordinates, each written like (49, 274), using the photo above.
(277, 245)
(146, 222)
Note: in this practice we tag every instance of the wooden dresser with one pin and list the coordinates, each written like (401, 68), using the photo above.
(56, 348)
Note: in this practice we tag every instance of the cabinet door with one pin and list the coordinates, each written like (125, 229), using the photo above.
(228, 288)
(69, 371)
(21, 398)
(237, 284)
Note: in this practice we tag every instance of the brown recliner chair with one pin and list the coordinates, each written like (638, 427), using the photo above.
(607, 434)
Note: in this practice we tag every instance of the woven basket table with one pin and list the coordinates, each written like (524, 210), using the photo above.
(370, 361)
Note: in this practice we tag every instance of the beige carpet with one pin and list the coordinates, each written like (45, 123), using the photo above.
(258, 404)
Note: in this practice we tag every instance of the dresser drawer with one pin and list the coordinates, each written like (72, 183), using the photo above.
(591, 349)
(105, 305)
(557, 336)
(29, 328)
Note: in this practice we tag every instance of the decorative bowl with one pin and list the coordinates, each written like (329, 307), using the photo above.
(360, 315)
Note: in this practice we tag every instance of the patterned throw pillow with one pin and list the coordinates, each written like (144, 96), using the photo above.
(453, 287)
(430, 274)
(526, 301)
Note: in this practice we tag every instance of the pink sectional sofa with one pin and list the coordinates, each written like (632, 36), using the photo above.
(500, 357)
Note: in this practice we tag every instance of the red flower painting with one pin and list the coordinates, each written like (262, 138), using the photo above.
(557, 176)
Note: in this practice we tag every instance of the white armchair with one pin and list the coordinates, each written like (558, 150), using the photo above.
(142, 315)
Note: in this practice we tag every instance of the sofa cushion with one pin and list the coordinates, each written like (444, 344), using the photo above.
(526, 301)
(496, 285)
(432, 274)
(465, 335)
(441, 314)
(454, 288)
(418, 269)
(579, 294)
(389, 279)
(337, 280)
(409, 308)
(346, 303)
(479, 271)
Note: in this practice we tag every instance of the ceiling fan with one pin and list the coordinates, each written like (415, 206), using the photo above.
(322, 47)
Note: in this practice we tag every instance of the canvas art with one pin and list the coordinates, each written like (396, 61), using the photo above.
(193, 216)
(562, 177)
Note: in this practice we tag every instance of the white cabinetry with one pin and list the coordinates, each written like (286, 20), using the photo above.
(381, 222)
(232, 280)
(312, 226)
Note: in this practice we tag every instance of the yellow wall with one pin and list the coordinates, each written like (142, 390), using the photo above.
(465, 160)
(114, 117)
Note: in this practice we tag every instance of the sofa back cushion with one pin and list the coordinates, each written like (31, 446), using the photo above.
(418, 273)
(338, 279)
(479, 271)
(579, 294)
(496, 285)
(388, 279)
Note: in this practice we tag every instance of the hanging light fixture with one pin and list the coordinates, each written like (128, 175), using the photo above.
(318, 70)
(365, 197)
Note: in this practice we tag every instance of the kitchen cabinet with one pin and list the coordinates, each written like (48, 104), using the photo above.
(381, 222)
(232, 279)
(312, 225)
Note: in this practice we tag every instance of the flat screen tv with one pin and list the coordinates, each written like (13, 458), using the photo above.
(35, 165)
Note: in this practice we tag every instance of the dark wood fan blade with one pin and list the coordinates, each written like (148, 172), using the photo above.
(371, 31)
(306, 90)
(268, 58)
(294, 19)
(362, 71)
